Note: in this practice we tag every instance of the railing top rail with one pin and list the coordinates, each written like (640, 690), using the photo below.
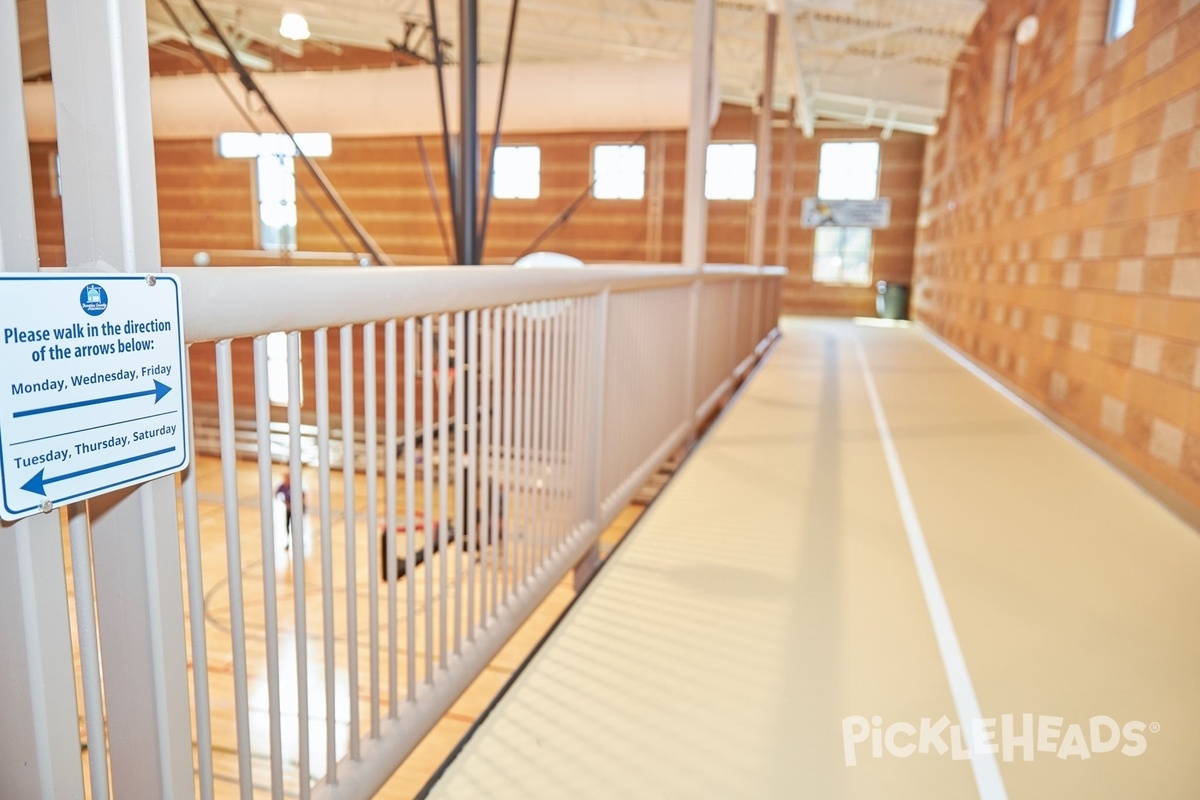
(744, 269)
(230, 302)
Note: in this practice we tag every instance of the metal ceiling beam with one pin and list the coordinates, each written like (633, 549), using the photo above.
(880, 33)
(965, 6)
(161, 32)
(855, 100)
(804, 115)
(927, 128)
(581, 44)
(681, 25)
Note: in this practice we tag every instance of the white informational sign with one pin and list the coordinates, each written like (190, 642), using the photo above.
(816, 213)
(93, 394)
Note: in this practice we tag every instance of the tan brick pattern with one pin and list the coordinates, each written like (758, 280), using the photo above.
(1064, 252)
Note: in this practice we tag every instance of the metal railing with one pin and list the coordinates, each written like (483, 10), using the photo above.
(501, 418)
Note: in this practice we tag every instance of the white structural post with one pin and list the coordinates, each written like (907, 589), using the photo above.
(762, 167)
(98, 54)
(595, 367)
(695, 204)
(39, 726)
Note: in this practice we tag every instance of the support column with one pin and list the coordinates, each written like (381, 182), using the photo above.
(656, 158)
(762, 167)
(98, 54)
(695, 206)
(468, 136)
(597, 361)
(785, 202)
(39, 726)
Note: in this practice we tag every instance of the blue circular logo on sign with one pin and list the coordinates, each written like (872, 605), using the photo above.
(93, 299)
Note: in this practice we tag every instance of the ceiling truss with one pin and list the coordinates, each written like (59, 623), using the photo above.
(881, 63)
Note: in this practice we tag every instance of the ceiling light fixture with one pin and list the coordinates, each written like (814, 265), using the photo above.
(294, 27)
(1027, 30)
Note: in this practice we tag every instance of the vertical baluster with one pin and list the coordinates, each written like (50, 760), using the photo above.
(371, 444)
(410, 503)
(196, 619)
(551, 471)
(511, 399)
(483, 460)
(561, 385)
(389, 517)
(499, 500)
(470, 371)
(266, 507)
(537, 490)
(89, 649)
(321, 356)
(299, 545)
(428, 370)
(233, 560)
(444, 509)
(350, 529)
(526, 462)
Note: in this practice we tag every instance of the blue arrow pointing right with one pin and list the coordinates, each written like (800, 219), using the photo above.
(159, 391)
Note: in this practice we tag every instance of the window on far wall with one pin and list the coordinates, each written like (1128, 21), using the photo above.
(277, 369)
(848, 171)
(275, 174)
(729, 172)
(1120, 18)
(619, 171)
(517, 174)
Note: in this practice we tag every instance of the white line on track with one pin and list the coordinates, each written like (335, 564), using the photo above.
(983, 764)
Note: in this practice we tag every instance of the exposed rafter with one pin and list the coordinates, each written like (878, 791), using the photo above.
(875, 51)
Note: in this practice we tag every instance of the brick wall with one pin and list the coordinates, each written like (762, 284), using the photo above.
(1062, 251)
(207, 203)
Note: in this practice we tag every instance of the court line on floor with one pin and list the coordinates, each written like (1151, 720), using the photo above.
(966, 704)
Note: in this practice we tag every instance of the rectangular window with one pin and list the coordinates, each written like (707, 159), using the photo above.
(847, 171)
(619, 172)
(55, 175)
(275, 174)
(253, 145)
(518, 173)
(842, 255)
(729, 173)
(1120, 18)
(277, 369)
(277, 202)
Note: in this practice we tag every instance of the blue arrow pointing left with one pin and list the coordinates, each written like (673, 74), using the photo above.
(159, 391)
(37, 483)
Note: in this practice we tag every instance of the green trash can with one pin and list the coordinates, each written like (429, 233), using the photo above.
(891, 302)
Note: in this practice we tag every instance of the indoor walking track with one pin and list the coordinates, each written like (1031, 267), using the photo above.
(877, 576)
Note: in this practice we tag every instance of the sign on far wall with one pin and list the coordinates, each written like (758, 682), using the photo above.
(846, 213)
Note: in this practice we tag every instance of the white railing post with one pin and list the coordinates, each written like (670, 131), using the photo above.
(39, 726)
(735, 329)
(695, 204)
(593, 455)
(756, 326)
(762, 170)
(98, 54)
